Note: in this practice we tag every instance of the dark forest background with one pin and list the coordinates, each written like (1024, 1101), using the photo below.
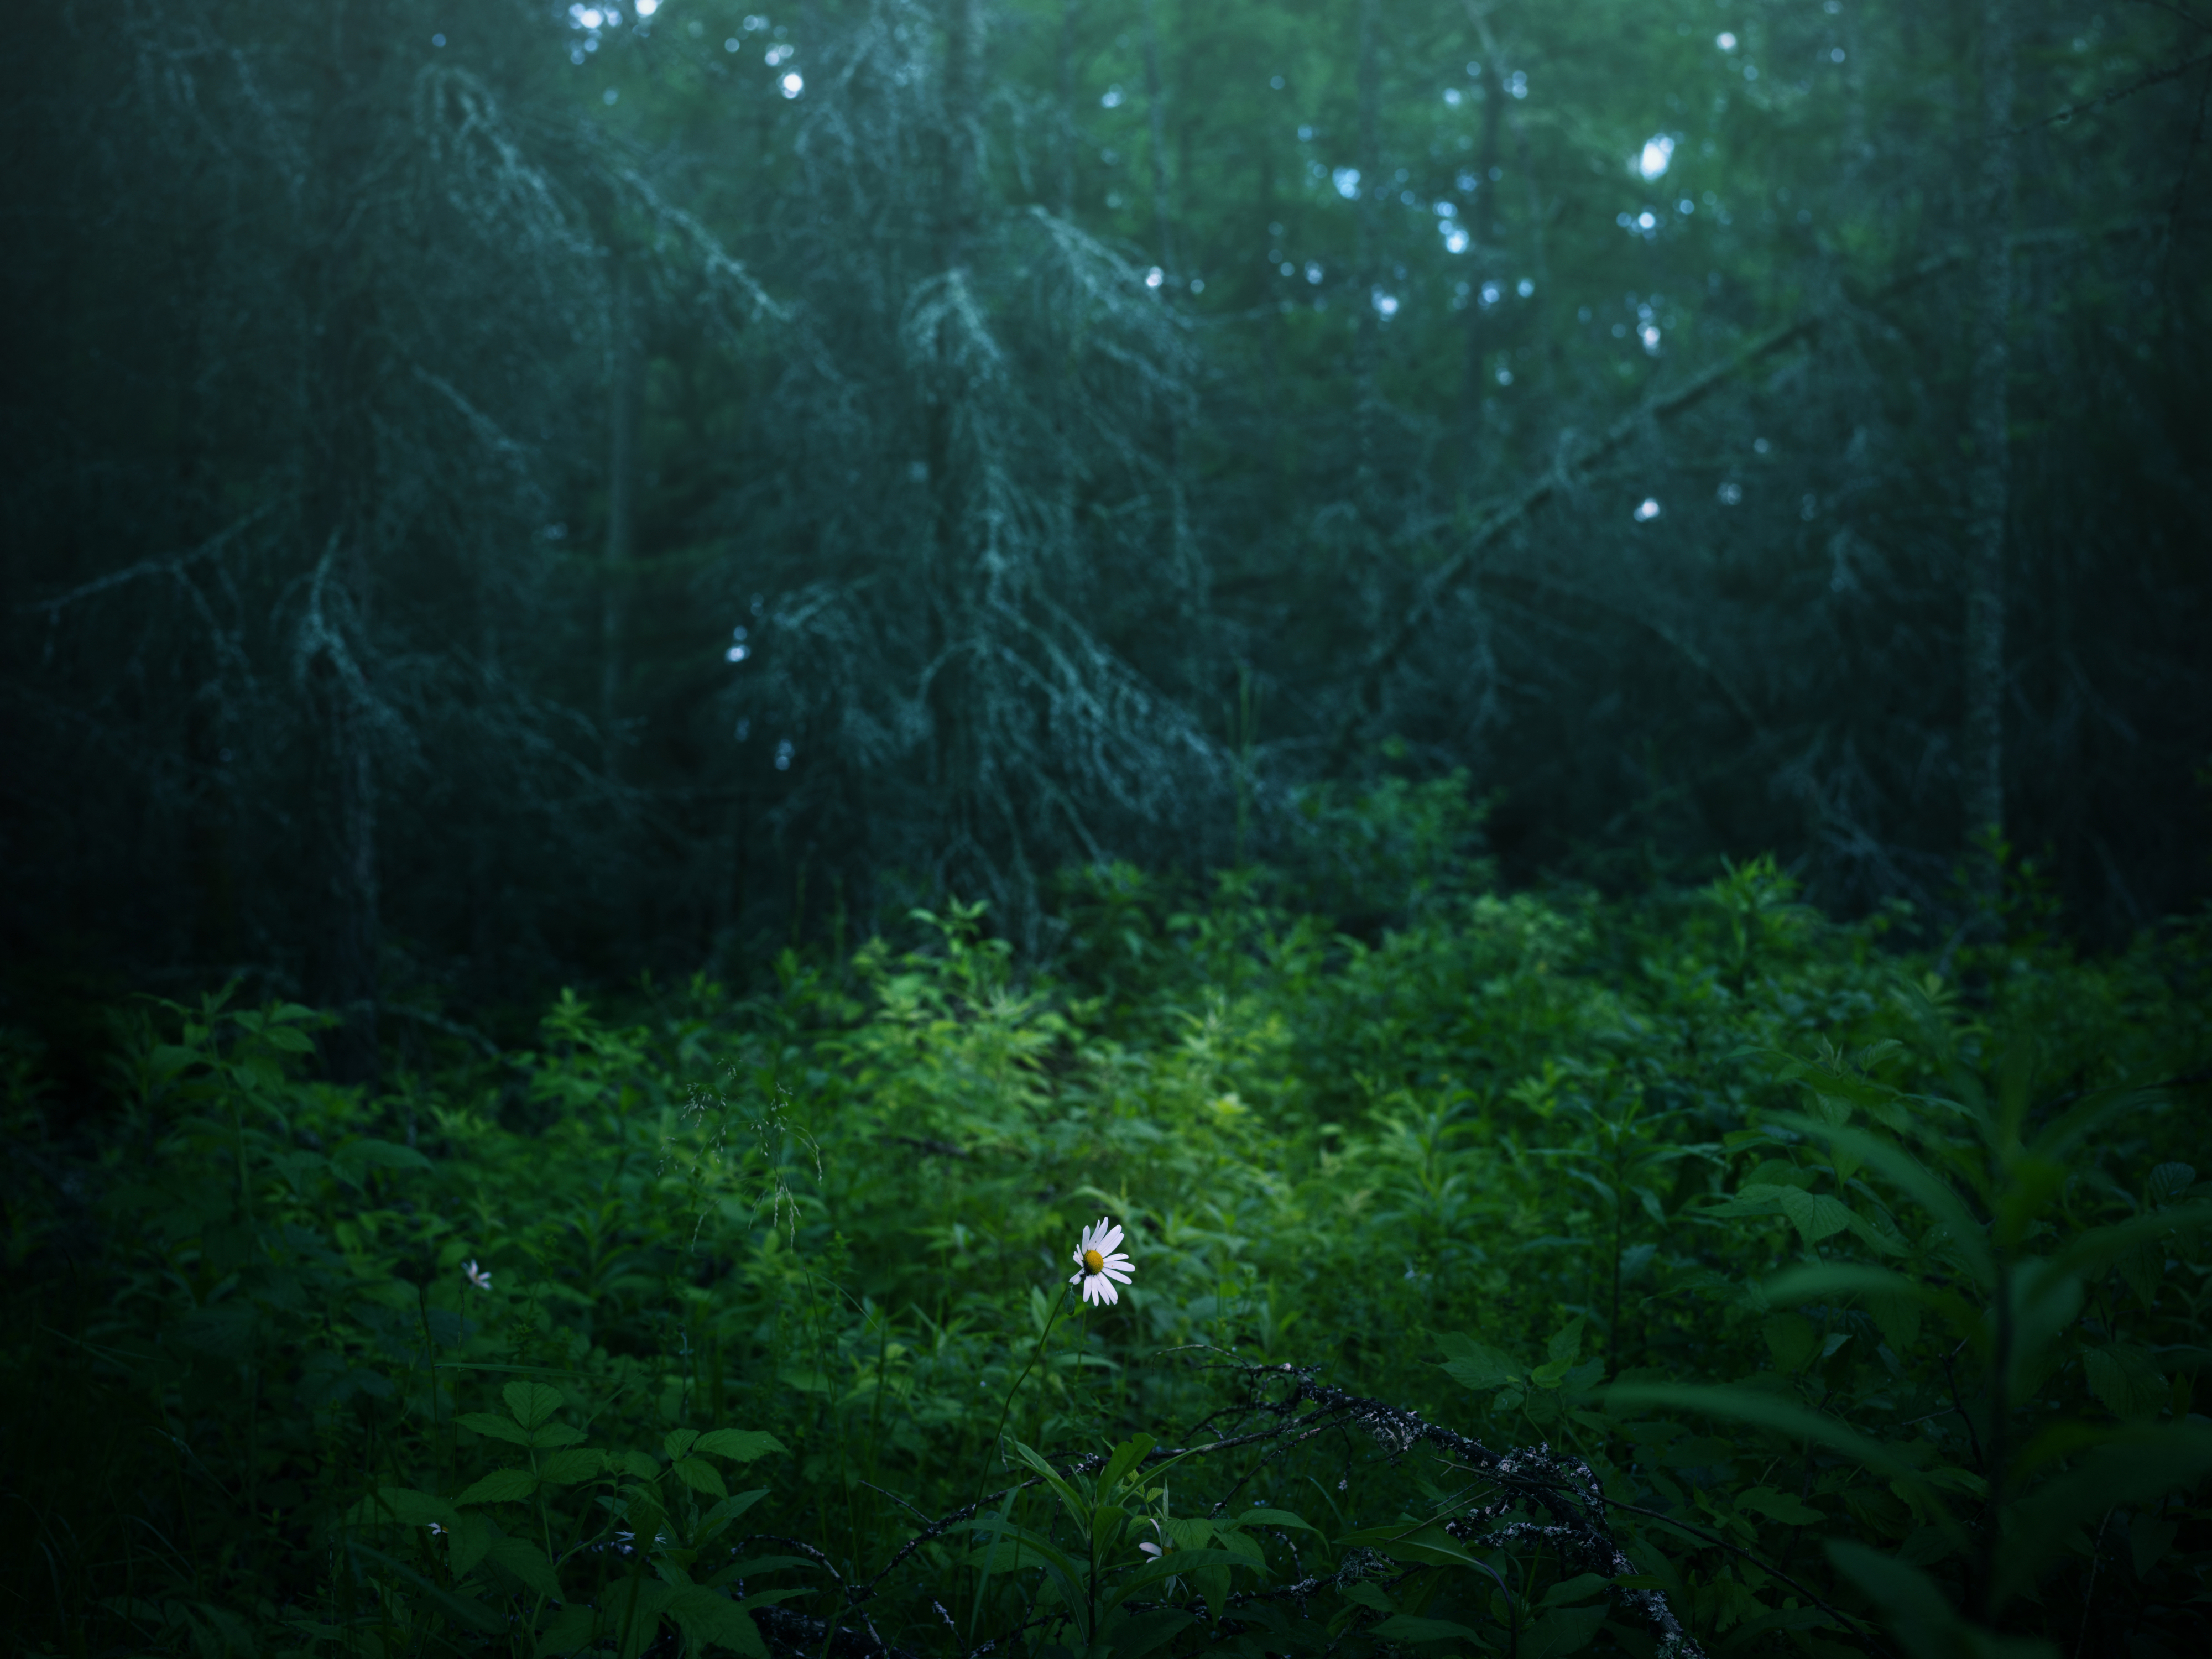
(495, 495)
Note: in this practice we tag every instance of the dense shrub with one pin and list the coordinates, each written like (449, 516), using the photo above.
(1530, 1275)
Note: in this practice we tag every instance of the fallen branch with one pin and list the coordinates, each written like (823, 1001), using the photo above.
(1563, 1490)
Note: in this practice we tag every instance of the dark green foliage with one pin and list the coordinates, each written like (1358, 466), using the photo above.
(411, 405)
(1128, 609)
(1866, 1299)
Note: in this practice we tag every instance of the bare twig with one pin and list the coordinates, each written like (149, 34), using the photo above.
(1564, 1490)
(1463, 564)
(2104, 100)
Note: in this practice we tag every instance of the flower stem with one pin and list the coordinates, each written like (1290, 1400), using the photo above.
(1008, 1404)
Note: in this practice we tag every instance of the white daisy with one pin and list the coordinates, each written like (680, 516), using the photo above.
(1102, 1269)
(479, 1277)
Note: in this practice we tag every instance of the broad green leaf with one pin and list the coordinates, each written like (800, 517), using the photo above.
(1568, 1591)
(2167, 1183)
(528, 1562)
(1032, 1551)
(500, 1487)
(1175, 1563)
(715, 1621)
(1765, 1410)
(1829, 1283)
(1031, 1543)
(1567, 1630)
(555, 1434)
(2149, 1537)
(1404, 1627)
(1474, 1366)
(700, 1475)
(1913, 1607)
(2126, 1378)
(531, 1403)
(1241, 1543)
(1745, 1636)
(635, 1462)
(753, 1566)
(498, 1428)
(2056, 1138)
(677, 1441)
(1815, 1216)
(726, 1511)
(570, 1629)
(1779, 1506)
(225, 1330)
(1128, 1456)
(1418, 1541)
(630, 1611)
(739, 1445)
(1133, 1635)
(471, 1539)
(1792, 1340)
(356, 1157)
(566, 1469)
(2133, 1465)
(1901, 1170)
(2101, 1246)
(465, 1611)
(1566, 1342)
(1077, 1509)
(1267, 1517)
(1874, 1238)
(2031, 1184)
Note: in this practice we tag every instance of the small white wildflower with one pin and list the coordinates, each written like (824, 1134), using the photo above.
(476, 1276)
(1101, 1268)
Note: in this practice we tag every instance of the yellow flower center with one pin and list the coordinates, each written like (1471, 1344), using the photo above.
(1093, 1262)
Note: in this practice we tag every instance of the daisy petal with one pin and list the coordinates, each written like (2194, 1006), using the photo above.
(1111, 1242)
(1119, 1278)
(1106, 1291)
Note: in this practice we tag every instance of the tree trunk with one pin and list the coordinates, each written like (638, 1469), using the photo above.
(1368, 344)
(1982, 740)
(621, 508)
(1067, 128)
(1482, 213)
(346, 977)
(1156, 118)
(953, 746)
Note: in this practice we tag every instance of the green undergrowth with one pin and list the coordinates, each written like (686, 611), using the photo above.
(1851, 1296)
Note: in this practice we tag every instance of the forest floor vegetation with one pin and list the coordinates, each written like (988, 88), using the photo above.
(1537, 1274)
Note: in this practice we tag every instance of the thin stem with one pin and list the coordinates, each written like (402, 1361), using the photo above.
(1008, 1404)
(2089, 1591)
